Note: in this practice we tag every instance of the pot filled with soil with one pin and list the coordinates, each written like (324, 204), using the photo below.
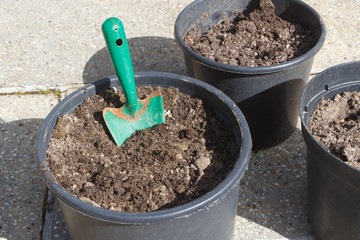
(330, 118)
(257, 52)
(176, 180)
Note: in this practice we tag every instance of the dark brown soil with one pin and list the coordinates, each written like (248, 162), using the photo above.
(335, 124)
(257, 38)
(157, 168)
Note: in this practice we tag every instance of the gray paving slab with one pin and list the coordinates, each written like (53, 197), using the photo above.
(20, 106)
(342, 22)
(273, 198)
(50, 43)
(22, 190)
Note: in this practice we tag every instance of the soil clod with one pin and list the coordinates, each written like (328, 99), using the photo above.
(335, 124)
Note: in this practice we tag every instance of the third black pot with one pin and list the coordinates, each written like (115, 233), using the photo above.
(333, 186)
(268, 96)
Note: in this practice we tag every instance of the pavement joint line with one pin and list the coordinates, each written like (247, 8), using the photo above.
(35, 89)
(43, 212)
(52, 92)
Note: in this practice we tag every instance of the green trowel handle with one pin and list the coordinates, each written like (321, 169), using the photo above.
(117, 45)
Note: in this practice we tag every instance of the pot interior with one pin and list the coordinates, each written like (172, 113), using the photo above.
(206, 13)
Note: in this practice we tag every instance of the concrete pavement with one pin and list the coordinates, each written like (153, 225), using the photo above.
(50, 48)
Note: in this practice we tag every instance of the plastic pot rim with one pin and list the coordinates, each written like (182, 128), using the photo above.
(243, 69)
(180, 211)
(320, 94)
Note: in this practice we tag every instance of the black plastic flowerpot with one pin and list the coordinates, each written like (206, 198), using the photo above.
(333, 186)
(209, 217)
(268, 96)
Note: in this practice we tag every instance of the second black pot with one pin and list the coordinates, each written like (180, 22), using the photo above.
(268, 96)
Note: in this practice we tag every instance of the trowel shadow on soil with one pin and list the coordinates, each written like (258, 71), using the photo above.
(147, 54)
(273, 192)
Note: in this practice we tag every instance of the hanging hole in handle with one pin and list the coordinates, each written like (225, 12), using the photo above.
(119, 42)
(326, 87)
(306, 109)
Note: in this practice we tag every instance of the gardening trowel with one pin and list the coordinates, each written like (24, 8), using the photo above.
(135, 114)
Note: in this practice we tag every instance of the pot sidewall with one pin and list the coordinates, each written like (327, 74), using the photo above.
(333, 186)
(208, 217)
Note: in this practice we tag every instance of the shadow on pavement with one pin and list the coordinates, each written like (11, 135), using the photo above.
(147, 54)
(22, 190)
(273, 189)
